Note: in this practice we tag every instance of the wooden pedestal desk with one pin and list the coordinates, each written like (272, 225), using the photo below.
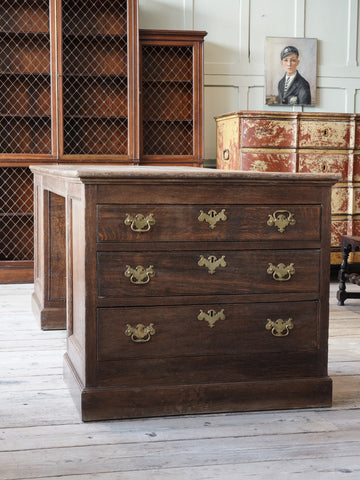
(187, 290)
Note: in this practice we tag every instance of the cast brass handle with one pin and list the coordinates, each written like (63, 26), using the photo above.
(279, 328)
(212, 263)
(140, 223)
(139, 275)
(212, 217)
(211, 316)
(281, 273)
(140, 333)
(281, 219)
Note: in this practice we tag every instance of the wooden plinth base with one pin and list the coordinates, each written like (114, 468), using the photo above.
(159, 400)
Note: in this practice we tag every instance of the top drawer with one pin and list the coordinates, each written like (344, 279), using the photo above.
(164, 223)
(264, 132)
(324, 134)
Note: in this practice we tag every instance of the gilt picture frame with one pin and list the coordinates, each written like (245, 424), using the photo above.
(290, 71)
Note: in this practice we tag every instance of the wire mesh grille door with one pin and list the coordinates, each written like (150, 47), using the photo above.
(25, 107)
(16, 214)
(95, 86)
(167, 100)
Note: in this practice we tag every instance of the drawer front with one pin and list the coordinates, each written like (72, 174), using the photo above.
(268, 133)
(266, 161)
(323, 162)
(197, 330)
(163, 223)
(204, 272)
(327, 134)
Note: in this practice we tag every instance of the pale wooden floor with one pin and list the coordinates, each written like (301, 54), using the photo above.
(42, 437)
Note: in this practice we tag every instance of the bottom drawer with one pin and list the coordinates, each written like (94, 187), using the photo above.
(206, 330)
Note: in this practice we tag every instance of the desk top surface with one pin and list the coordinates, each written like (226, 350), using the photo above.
(101, 173)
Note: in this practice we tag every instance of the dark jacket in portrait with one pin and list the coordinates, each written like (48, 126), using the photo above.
(298, 92)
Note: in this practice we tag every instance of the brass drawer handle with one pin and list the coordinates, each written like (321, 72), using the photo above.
(281, 273)
(212, 263)
(140, 223)
(279, 328)
(139, 275)
(212, 217)
(140, 333)
(281, 219)
(211, 316)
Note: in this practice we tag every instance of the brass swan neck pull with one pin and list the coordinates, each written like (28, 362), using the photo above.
(281, 273)
(140, 333)
(279, 328)
(281, 219)
(139, 275)
(140, 223)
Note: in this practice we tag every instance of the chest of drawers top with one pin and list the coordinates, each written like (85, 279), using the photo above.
(59, 175)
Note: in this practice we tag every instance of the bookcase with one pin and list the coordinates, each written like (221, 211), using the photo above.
(76, 87)
(172, 97)
(97, 75)
(68, 73)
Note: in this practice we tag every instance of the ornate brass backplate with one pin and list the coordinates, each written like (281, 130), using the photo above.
(212, 263)
(211, 316)
(140, 223)
(139, 275)
(279, 328)
(281, 219)
(140, 333)
(281, 273)
(212, 217)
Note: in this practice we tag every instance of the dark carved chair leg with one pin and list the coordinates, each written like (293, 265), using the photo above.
(341, 293)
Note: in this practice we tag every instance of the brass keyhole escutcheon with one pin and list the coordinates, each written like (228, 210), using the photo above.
(211, 316)
(212, 217)
(279, 328)
(324, 167)
(139, 275)
(281, 219)
(212, 263)
(282, 272)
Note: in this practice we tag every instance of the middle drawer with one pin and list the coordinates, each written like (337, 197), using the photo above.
(165, 273)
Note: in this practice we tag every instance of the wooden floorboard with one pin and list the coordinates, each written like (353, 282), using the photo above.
(42, 436)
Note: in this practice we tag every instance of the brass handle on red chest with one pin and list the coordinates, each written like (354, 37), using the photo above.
(140, 223)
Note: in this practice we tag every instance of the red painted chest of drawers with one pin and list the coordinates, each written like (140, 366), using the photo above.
(299, 142)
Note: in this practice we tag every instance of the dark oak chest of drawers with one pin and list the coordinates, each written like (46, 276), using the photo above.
(191, 290)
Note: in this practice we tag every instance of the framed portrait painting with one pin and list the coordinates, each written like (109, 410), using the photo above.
(290, 71)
